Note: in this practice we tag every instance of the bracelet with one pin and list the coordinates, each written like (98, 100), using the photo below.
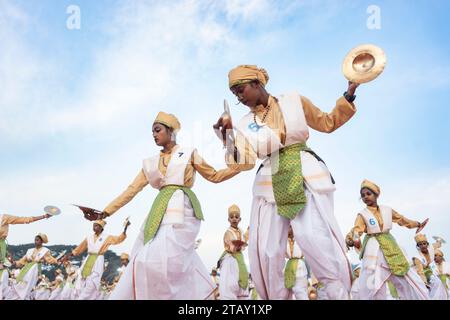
(348, 97)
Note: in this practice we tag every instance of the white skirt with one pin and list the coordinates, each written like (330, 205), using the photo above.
(167, 267)
(316, 232)
(229, 288)
(22, 290)
(375, 273)
(89, 288)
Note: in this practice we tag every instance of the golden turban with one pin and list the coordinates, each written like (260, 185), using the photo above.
(420, 238)
(168, 120)
(246, 73)
(125, 256)
(43, 237)
(438, 252)
(234, 209)
(102, 223)
(371, 186)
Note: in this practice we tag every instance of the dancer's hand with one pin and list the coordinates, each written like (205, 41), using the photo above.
(352, 88)
(223, 124)
(349, 243)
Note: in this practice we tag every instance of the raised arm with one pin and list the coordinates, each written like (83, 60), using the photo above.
(328, 122)
(133, 189)
(113, 240)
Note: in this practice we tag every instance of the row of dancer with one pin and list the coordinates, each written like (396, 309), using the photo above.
(20, 283)
(292, 187)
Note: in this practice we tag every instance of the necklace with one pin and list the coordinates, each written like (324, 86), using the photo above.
(164, 164)
(264, 116)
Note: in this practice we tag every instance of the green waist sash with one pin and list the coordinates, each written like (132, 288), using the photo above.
(290, 272)
(443, 278)
(3, 247)
(394, 256)
(243, 272)
(428, 273)
(159, 208)
(89, 265)
(287, 181)
(254, 294)
(393, 289)
(27, 268)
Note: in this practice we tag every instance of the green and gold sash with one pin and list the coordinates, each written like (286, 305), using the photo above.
(243, 272)
(290, 272)
(3, 248)
(394, 256)
(27, 268)
(159, 208)
(287, 181)
(89, 265)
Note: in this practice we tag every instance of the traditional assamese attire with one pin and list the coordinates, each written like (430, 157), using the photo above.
(295, 272)
(163, 262)
(57, 288)
(69, 292)
(233, 271)
(382, 258)
(92, 268)
(42, 291)
(427, 269)
(5, 221)
(443, 270)
(292, 186)
(4, 283)
(31, 264)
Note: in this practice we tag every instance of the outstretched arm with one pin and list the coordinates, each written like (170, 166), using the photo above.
(82, 247)
(48, 258)
(403, 221)
(208, 172)
(133, 189)
(9, 219)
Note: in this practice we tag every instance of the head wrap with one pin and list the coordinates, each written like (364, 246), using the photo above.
(43, 237)
(233, 209)
(168, 120)
(125, 256)
(246, 73)
(420, 238)
(438, 252)
(371, 186)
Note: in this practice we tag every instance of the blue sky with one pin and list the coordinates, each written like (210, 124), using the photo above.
(77, 105)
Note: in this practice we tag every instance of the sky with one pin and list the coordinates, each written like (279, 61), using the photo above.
(77, 104)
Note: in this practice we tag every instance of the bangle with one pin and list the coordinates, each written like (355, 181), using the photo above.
(348, 97)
